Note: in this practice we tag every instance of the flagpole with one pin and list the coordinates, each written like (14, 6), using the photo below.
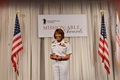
(17, 74)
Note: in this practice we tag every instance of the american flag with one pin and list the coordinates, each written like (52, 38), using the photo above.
(117, 39)
(17, 45)
(103, 46)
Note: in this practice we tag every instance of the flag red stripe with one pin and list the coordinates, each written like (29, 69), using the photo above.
(107, 60)
(17, 38)
(101, 47)
(15, 53)
(105, 51)
(118, 39)
(105, 42)
(107, 68)
(16, 45)
(101, 40)
(101, 55)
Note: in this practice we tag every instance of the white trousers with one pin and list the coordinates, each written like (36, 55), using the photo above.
(60, 70)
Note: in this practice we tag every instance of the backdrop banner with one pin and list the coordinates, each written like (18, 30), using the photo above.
(74, 25)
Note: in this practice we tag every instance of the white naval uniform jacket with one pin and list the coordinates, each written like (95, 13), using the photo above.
(61, 48)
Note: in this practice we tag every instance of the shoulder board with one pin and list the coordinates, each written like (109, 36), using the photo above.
(66, 41)
(53, 41)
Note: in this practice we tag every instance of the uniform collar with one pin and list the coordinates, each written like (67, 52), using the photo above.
(59, 42)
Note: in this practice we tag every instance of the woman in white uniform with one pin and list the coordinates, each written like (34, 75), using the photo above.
(60, 55)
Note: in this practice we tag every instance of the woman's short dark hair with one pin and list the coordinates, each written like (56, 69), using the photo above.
(59, 31)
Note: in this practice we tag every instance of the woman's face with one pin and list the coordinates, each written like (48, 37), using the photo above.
(58, 37)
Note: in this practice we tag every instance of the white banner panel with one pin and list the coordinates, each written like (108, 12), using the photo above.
(73, 25)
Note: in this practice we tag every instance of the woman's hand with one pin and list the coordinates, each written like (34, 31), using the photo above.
(55, 57)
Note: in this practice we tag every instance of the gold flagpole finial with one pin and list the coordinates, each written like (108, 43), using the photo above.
(102, 11)
(17, 11)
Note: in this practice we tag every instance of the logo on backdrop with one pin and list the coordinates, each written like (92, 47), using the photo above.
(50, 21)
(44, 21)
